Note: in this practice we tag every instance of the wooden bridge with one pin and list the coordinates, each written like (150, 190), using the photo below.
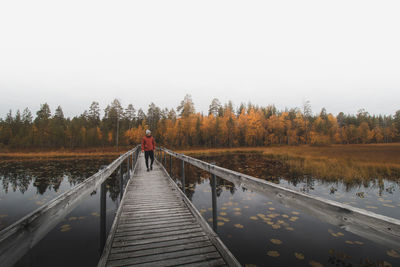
(157, 225)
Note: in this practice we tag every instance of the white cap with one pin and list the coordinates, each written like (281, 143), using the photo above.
(148, 132)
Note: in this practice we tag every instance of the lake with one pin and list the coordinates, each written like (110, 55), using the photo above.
(258, 230)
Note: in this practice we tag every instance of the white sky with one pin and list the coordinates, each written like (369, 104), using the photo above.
(342, 55)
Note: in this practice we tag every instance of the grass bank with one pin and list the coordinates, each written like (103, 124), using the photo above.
(347, 162)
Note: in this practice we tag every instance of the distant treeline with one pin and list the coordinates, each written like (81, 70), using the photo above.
(223, 126)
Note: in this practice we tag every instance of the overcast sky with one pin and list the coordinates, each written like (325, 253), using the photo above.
(342, 55)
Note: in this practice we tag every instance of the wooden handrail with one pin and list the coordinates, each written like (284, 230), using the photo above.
(18, 238)
(378, 228)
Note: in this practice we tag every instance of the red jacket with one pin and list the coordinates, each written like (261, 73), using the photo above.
(148, 143)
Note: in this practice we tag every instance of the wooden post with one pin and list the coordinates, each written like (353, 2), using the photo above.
(170, 166)
(183, 176)
(165, 159)
(127, 167)
(121, 181)
(213, 183)
(103, 216)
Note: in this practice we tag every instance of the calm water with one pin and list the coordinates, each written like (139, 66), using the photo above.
(75, 241)
(263, 232)
(256, 229)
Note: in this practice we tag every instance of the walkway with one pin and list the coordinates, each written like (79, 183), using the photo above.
(156, 225)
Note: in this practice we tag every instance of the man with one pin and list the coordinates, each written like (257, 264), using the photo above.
(148, 146)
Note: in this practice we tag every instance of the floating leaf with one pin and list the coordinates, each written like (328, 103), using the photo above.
(358, 242)
(295, 212)
(290, 228)
(39, 203)
(260, 215)
(238, 213)
(65, 226)
(203, 210)
(246, 207)
(276, 226)
(210, 219)
(210, 209)
(268, 203)
(293, 219)
(224, 208)
(349, 242)
(271, 208)
(238, 225)
(273, 253)
(270, 223)
(223, 219)
(299, 256)
(237, 209)
(388, 205)
(315, 264)
(253, 218)
(335, 235)
(285, 216)
(371, 207)
(340, 234)
(72, 218)
(220, 223)
(96, 214)
(223, 213)
(280, 222)
(276, 241)
(392, 253)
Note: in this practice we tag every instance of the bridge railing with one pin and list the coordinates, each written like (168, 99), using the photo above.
(17, 239)
(378, 228)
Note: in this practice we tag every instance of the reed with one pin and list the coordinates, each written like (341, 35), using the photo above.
(337, 162)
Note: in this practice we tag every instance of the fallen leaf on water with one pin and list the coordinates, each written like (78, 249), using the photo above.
(293, 219)
(299, 256)
(210, 219)
(223, 213)
(271, 208)
(295, 212)
(260, 215)
(237, 213)
(270, 223)
(39, 203)
(273, 253)
(388, 205)
(72, 218)
(96, 214)
(276, 241)
(276, 226)
(223, 219)
(253, 218)
(280, 222)
(210, 209)
(371, 207)
(237, 209)
(224, 208)
(349, 242)
(358, 242)
(340, 234)
(220, 223)
(315, 264)
(65, 229)
(238, 225)
(285, 216)
(393, 253)
(246, 207)
(290, 228)
(203, 210)
(335, 235)
(268, 203)
(65, 226)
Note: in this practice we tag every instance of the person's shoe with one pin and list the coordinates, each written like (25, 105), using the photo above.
(148, 169)
(151, 167)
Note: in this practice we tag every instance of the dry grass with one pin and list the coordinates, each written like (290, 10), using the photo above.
(347, 162)
(61, 154)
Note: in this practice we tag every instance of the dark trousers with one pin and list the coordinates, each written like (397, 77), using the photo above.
(148, 154)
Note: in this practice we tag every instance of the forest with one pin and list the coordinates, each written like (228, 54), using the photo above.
(223, 126)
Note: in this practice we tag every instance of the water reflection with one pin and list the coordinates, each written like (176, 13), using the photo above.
(78, 239)
(262, 232)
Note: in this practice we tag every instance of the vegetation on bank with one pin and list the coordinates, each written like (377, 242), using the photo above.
(349, 163)
(223, 126)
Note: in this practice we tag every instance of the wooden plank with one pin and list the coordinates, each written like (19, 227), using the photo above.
(21, 236)
(210, 263)
(156, 239)
(172, 221)
(155, 251)
(133, 236)
(156, 230)
(375, 227)
(160, 244)
(201, 253)
(153, 226)
(203, 258)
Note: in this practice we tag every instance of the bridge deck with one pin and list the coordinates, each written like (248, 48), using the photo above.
(156, 225)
